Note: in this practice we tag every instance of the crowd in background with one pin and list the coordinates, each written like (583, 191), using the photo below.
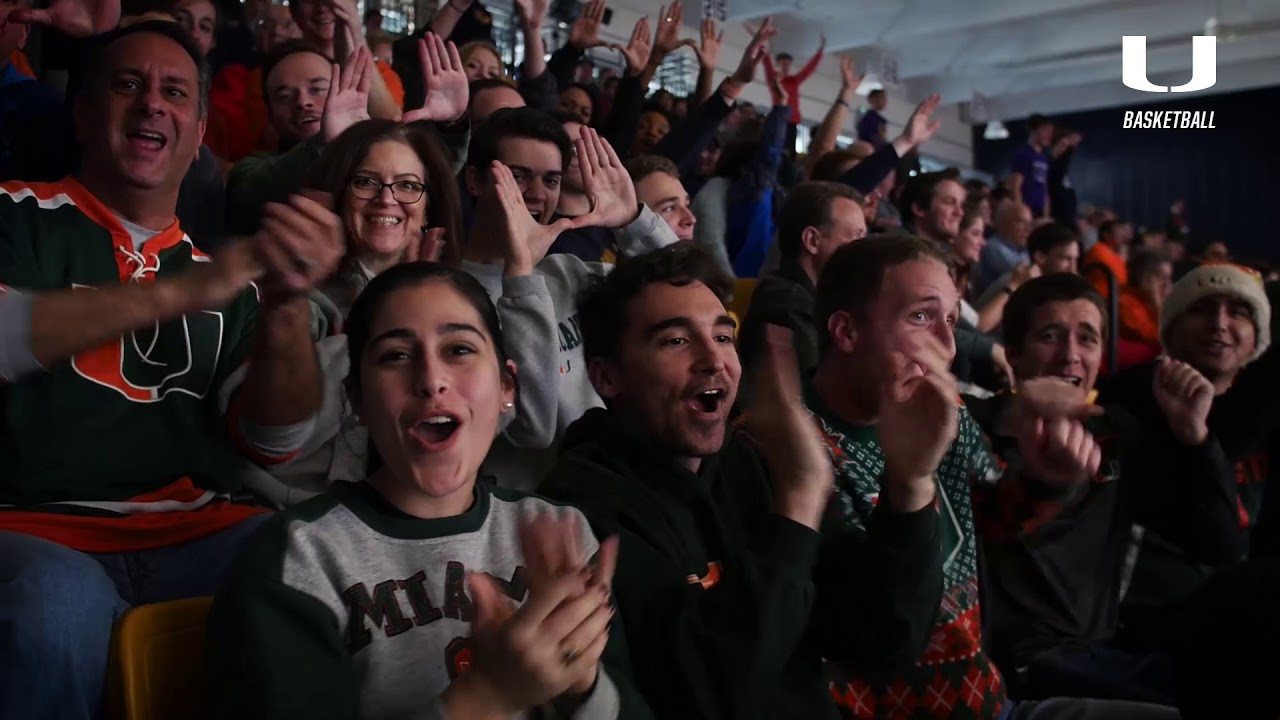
(471, 389)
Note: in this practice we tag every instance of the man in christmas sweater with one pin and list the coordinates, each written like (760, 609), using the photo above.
(130, 364)
(1053, 590)
(907, 458)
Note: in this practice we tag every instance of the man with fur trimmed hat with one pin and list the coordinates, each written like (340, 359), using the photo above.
(1218, 320)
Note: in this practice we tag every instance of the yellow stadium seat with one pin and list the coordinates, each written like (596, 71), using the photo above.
(156, 669)
(742, 289)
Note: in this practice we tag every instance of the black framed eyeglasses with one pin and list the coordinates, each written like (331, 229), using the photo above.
(367, 187)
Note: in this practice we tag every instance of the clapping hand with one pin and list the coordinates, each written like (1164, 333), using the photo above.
(786, 433)
(299, 244)
(551, 645)
(427, 249)
(444, 79)
(348, 100)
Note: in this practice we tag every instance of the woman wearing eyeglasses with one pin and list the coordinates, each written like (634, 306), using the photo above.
(398, 201)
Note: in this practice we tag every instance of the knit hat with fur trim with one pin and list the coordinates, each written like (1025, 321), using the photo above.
(1219, 279)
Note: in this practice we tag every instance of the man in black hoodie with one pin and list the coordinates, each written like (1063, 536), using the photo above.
(718, 554)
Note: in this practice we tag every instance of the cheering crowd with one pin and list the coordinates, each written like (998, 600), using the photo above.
(472, 390)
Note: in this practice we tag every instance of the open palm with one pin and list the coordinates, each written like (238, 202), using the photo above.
(606, 183)
(444, 79)
(527, 240)
(76, 18)
(348, 101)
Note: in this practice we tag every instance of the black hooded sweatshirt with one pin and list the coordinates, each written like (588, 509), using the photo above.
(714, 589)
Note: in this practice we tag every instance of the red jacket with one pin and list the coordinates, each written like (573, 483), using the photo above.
(791, 83)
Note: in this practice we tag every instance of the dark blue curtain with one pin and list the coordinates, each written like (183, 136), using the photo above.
(1227, 175)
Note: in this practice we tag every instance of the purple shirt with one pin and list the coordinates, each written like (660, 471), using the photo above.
(1033, 165)
(871, 127)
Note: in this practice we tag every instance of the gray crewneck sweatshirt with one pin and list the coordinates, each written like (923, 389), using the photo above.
(539, 316)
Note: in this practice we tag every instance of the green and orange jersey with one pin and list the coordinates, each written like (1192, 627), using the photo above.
(129, 445)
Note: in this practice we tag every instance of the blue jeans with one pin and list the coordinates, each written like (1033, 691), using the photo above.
(57, 606)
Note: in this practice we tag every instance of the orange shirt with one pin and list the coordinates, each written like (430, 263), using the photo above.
(1102, 254)
(1138, 319)
(19, 61)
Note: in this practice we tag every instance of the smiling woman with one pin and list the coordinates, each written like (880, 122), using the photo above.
(298, 626)
(393, 186)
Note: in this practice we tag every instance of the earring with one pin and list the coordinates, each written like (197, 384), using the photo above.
(508, 406)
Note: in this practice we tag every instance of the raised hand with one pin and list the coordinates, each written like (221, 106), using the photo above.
(532, 12)
(427, 249)
(1185, 397)
(444, 79)
(348, 100)
(299, 244)
(919, 128)
(527, 240)
(584, 33)
(667, 38)
(849, 79)
(708, 44)
(76, 18)
(787, 434)
(348, 36)
(1058, 451)
(637, 48)
(754, 53)
(919, 419)
(605, 182)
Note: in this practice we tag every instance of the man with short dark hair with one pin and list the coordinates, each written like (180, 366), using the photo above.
(872, 126)
(932, 205)
(1052, 248)
(817, 219)
(536, 293)
(908, 460)
(1029, 180)
(133, 367)
(1053, 589)
(718, 530)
